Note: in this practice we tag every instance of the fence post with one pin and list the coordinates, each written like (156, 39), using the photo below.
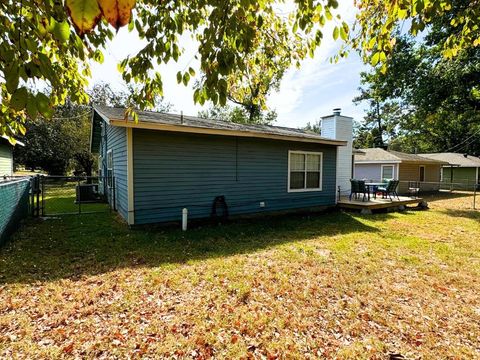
(474, 197)
(32, 196)
(79, 196)
(43, 179)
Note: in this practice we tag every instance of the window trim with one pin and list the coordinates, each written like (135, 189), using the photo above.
(387, 165)
(320, 188)
(100, 168)
(420, 173)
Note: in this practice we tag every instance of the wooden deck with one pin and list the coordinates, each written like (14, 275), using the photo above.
(367, 206)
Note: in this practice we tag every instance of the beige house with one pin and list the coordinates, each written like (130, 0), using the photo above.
(378, 164)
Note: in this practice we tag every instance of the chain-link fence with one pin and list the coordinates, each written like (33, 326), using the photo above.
(14, 201)
(62, 195)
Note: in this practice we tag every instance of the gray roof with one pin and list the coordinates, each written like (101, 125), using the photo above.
(381, 155)
(6, 140)
(177, 122)
(455, 159)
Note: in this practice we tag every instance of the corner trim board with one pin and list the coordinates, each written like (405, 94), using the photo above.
(130, 184)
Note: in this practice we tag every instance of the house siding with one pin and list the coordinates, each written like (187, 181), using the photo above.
(115, 138)
(466, 175)
(411, 172)
(173, 171)
(368, 171)
(6, 159)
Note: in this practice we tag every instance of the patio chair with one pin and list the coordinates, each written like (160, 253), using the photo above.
(413, 188)
(358, 187)
(390, 189)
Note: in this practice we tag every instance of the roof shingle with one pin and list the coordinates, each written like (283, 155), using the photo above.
(193, 122)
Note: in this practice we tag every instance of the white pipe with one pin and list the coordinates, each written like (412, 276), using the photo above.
(184, 219)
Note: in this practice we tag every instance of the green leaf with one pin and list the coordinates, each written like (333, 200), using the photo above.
(43, 104)
(344, 31)
(98, 56)
(32, 107)
(61, 31)
(19, 99)
(11, 78)
(179, 77)
(85, 14)
(335, 33)
(375, 59)
(186, 78)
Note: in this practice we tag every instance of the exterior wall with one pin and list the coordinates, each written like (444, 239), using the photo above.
(6, 158)
(461, 175)
(114, 138)
(411, 172)
(174, 170)
(368, 171)
(328, 128)
(373, 171)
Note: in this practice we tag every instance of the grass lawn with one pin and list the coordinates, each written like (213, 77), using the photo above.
(60, 199)
(337, 285)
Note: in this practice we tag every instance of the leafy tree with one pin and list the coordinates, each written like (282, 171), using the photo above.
(436, 100)
(277, 48)
(52, 42)
(315, 127)
(385, 93)
(52, 144)
(376, 31)
(103, 94)
(237, 114)
(61, 144)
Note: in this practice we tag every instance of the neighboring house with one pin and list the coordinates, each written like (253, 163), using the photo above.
(462, 169)
(165, 162)
(6, 156)
(377, 164)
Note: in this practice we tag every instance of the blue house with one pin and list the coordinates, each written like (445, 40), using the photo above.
(166, 162)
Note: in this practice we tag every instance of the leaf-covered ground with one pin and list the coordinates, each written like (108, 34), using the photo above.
(336, 285)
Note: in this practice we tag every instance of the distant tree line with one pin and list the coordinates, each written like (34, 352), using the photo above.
(61, 145)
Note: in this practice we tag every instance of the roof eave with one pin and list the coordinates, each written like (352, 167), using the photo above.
(377, 161)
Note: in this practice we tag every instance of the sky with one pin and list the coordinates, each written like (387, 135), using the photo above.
(305, 94)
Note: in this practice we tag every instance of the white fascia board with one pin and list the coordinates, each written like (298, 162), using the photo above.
(378, 161)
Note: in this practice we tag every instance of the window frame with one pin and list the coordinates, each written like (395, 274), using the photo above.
(109, 173)
(393, 171)
(100, 166)
(320, 171)
(420, 173)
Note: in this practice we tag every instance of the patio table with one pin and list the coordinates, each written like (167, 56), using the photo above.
(371, 186)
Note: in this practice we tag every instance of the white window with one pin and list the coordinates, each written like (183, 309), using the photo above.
(304, 171)
(110, 168)
(387, 172)
(422, 173)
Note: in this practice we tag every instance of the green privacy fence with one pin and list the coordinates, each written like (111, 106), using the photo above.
(14, 203)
